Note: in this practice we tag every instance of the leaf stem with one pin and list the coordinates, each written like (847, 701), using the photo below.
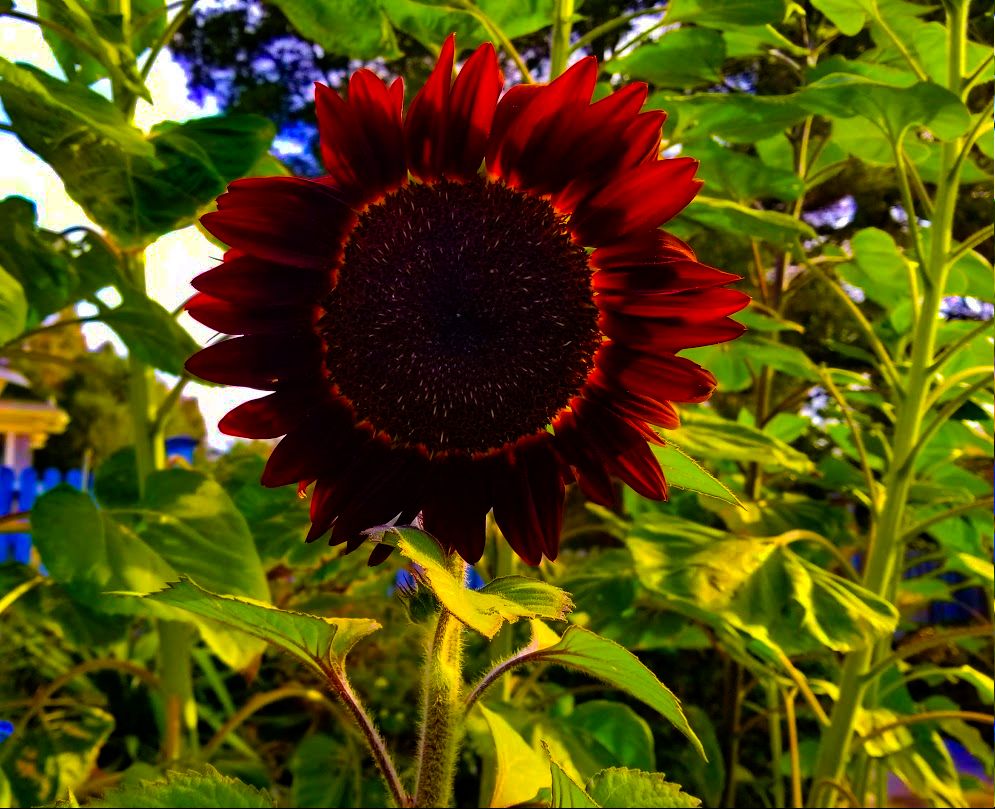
(340, 685)
(495, 31)
(167, 37)
(793, 749)
(956, 511)
(22, 589)
(925, 716)
(971, 242)
(611, 25)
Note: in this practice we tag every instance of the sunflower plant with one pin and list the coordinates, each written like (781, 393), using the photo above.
(619, 345)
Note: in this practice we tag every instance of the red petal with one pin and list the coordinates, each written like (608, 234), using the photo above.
(663, 377)
(641, 199)
(622, 448)
(530, 146)
(319, 443)
(259, 361)
(471, 111)
(515, 511)
(668, 334)
(662, 279)
(456, 505)
(283, 219)
(271, 416)
(235, 319)
(651, 247)
(247, 279)
(380, 120)
(425, 125)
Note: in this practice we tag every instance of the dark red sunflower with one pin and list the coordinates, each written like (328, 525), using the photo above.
(473, 308)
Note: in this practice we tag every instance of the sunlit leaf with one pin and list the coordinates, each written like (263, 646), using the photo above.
(356, 28)
(13, 307)
(685, 57)
(319, 642)
(619, 786)
(567, 793)
(183, 790)
(683, 472)
(519, 771)
(706, 435)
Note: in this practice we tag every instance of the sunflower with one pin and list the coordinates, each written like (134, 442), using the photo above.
(475, 306)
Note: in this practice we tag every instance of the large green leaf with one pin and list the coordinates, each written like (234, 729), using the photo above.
(323, 770)
(739, 118)
(175, 530)
(137, 188)
(682, 58)
(38, 260)
(743, 177)
(878, 267)
(431, 21)
(356, 28)
(890, 109)
(758, 585)
(704, 434)
(56, 755)
(580, 649)
(13, 307)
(151, 333)
(617, 728)
(186, 790)
(719, 13)
(98, 23)
(486, 610)
(741, 220)
(519, 772)
(321, 643)
(619, 786)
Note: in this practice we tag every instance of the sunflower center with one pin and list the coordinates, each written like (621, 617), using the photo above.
(463, 317)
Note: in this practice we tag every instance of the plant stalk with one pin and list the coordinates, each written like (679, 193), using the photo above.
(560, 46)
(442, 709)
(884, 553)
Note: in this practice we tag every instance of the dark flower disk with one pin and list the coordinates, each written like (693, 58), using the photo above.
(474, 308)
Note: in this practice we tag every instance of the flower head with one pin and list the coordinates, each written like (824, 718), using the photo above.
(475, 307)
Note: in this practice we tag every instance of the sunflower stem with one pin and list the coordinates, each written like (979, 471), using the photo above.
(560, 46)
(442, 706)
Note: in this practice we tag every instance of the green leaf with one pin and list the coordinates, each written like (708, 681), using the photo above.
(566, 791)
(356, 28)
(619, 786)
(787, 359)
(739, 118)
(485, 611)
(618, 728)
(682, 58)
(321, 643)
(744, 177)
(719, 13)
(878, 267)
(183, 790)
(431, 21)
(13, 307)
(724, 361)
(58, 754)
(706, 435)
(605, 660)
(756, 585)
(36, 259)
(683, 472)
(890, 109)
(519, 771)
(732, 217)
(323, 773)
(151, 333)
(174, 531)
(137, 188)
(847, 15)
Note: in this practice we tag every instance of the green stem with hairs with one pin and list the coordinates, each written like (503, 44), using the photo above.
(442, 706)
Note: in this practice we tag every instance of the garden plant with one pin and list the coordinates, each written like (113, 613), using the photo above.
(624, 406)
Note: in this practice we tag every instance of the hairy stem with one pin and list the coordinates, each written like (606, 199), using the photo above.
(442, 710)
(560, 47)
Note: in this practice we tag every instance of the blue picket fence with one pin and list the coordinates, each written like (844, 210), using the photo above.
(18, 492)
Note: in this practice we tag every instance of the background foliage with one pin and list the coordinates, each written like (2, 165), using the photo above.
(818, 591)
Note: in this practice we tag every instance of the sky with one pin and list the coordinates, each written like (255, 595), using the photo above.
(173, 260)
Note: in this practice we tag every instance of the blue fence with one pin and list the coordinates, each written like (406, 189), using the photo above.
(18, 492)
